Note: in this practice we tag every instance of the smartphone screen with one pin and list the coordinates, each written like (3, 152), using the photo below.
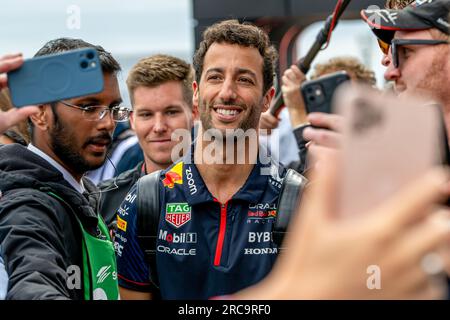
(387, 143)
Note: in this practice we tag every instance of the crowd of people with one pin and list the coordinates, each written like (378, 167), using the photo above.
(208, 213)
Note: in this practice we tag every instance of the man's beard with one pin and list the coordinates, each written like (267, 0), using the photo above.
(435, 82)
(62, 145)
(249, 122)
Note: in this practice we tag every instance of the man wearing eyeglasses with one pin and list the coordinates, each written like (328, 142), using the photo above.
(53, 243)
(414, 41)
(386, 61)
(417, 40)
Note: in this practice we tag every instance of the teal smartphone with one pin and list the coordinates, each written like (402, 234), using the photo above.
(56, 77)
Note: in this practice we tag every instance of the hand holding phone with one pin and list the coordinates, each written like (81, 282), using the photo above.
(318, 94)
(12, 117)
(387, 143)
(8, 63)
(56, 77)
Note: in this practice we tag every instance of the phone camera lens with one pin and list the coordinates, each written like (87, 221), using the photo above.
(90, 55)
(84, 64)
(312, 98)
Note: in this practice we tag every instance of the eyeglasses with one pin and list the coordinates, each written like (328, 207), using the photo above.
(97, 113)
(396, 43)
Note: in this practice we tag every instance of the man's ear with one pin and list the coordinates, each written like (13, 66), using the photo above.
(195, 111)
(42, 119)
(132, 120)
(195, 115)
(195, 95)
(268, 98)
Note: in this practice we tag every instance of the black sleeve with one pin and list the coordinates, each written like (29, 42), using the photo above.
(32, 245)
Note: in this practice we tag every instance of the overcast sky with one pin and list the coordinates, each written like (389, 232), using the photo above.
(350, 38)
(130, 29)
(135, 26)
(133, 29)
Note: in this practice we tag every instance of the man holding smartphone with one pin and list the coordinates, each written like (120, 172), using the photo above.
(417, 40)
(51, 234)
(292, 80)
(414, 40)
(422, 66)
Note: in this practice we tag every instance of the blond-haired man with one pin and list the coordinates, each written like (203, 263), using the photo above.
(160, 88)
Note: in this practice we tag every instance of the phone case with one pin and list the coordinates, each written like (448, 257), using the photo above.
(318, 94)
(56, 77)
(387, 143)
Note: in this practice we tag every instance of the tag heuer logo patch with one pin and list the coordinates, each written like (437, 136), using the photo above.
(177, 214)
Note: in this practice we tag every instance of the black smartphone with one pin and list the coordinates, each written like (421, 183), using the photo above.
(318, 93)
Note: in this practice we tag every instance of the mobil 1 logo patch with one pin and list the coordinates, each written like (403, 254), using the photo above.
(185, 237)
(178, 214)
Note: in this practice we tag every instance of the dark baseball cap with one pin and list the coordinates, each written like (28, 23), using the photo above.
(420, 15)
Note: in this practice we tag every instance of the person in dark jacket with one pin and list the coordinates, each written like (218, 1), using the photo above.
(40, 239)
(53, 242)
(160, 88)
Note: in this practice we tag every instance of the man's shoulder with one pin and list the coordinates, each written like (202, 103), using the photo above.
(26, 195)
(28, 204)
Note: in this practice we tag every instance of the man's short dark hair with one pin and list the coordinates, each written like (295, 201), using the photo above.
(107, 61)
(242, 34)
(109, 64)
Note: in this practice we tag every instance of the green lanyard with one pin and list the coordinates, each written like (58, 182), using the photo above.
(100, 277)
(99, 263)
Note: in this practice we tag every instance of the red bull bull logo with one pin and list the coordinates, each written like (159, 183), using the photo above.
(174, 176)
(272, 213)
